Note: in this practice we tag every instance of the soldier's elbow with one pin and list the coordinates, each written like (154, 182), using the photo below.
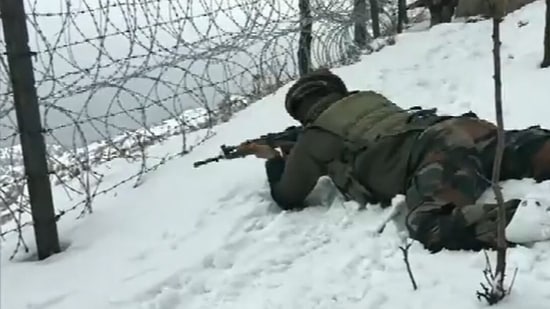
(290, 207)
(286, 203)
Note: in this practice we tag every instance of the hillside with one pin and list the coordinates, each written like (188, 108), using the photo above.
(212, 238)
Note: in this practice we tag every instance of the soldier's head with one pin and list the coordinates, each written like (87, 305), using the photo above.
(313, 93)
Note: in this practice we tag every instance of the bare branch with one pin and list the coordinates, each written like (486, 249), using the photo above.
(495, 291)
(405, 251)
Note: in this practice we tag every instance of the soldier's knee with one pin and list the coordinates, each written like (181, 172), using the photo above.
(447, 183)
(425, 225)
(421, 228)
(438, 227)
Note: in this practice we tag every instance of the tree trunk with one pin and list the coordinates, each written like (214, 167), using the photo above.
(498, 291)
(447, 12)
(435, 15)
(501, 223)
(546, 61)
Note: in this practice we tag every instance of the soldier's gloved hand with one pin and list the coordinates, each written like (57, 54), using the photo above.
(285, 151)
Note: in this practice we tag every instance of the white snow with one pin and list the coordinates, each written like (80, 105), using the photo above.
(212, 238)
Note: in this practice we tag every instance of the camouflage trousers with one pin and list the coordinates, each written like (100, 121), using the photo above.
(452, 167)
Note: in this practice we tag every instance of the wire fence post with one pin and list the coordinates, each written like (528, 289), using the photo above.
(375, 17)
(12, 13)
(546, 60)
(304, 43)
(402, 17)
(360, 22)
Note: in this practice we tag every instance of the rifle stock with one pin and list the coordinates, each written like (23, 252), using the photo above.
(284, 140)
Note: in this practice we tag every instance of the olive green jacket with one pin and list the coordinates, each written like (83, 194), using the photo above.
(362, 142)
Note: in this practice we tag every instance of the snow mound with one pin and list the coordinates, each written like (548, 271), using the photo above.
(212, 237)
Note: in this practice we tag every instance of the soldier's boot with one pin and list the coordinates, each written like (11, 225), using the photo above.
(527, 154)
(452, 175)
(528, 221)
(474, 227)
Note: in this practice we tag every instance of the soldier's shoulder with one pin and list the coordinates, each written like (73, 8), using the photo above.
(314, 132)
(314, 140)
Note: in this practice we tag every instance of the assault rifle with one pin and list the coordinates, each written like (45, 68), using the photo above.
(284, 140)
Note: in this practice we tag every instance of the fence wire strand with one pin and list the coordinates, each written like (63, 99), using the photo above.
(117, 76)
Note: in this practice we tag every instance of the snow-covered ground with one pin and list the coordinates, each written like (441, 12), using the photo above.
(212, 238)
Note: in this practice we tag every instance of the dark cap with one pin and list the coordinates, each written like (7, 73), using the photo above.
(314, 86)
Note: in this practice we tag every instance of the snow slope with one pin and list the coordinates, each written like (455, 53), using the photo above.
(212, 238)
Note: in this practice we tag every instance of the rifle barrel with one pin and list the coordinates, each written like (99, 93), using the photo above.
(284, 140)
(206, 161)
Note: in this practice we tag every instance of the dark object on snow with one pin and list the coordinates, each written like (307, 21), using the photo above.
(546, 61)
(469, 8)
(441, 11)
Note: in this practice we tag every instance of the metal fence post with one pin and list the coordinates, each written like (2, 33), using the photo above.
(360, 22)
(402, 17)
(304, 44)
(375, 17)
(546, 60)
(12, 13)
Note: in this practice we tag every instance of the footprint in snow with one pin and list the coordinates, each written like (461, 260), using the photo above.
(167, 299)
(49, 303)
(221, 259)
(140, 256)
(375, 300)
(424, 83)
(164, 293)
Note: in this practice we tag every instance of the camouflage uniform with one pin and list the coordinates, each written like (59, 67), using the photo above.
(373, 150)
(453, 168)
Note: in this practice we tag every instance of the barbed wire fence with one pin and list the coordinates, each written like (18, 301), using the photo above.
(114, 77)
